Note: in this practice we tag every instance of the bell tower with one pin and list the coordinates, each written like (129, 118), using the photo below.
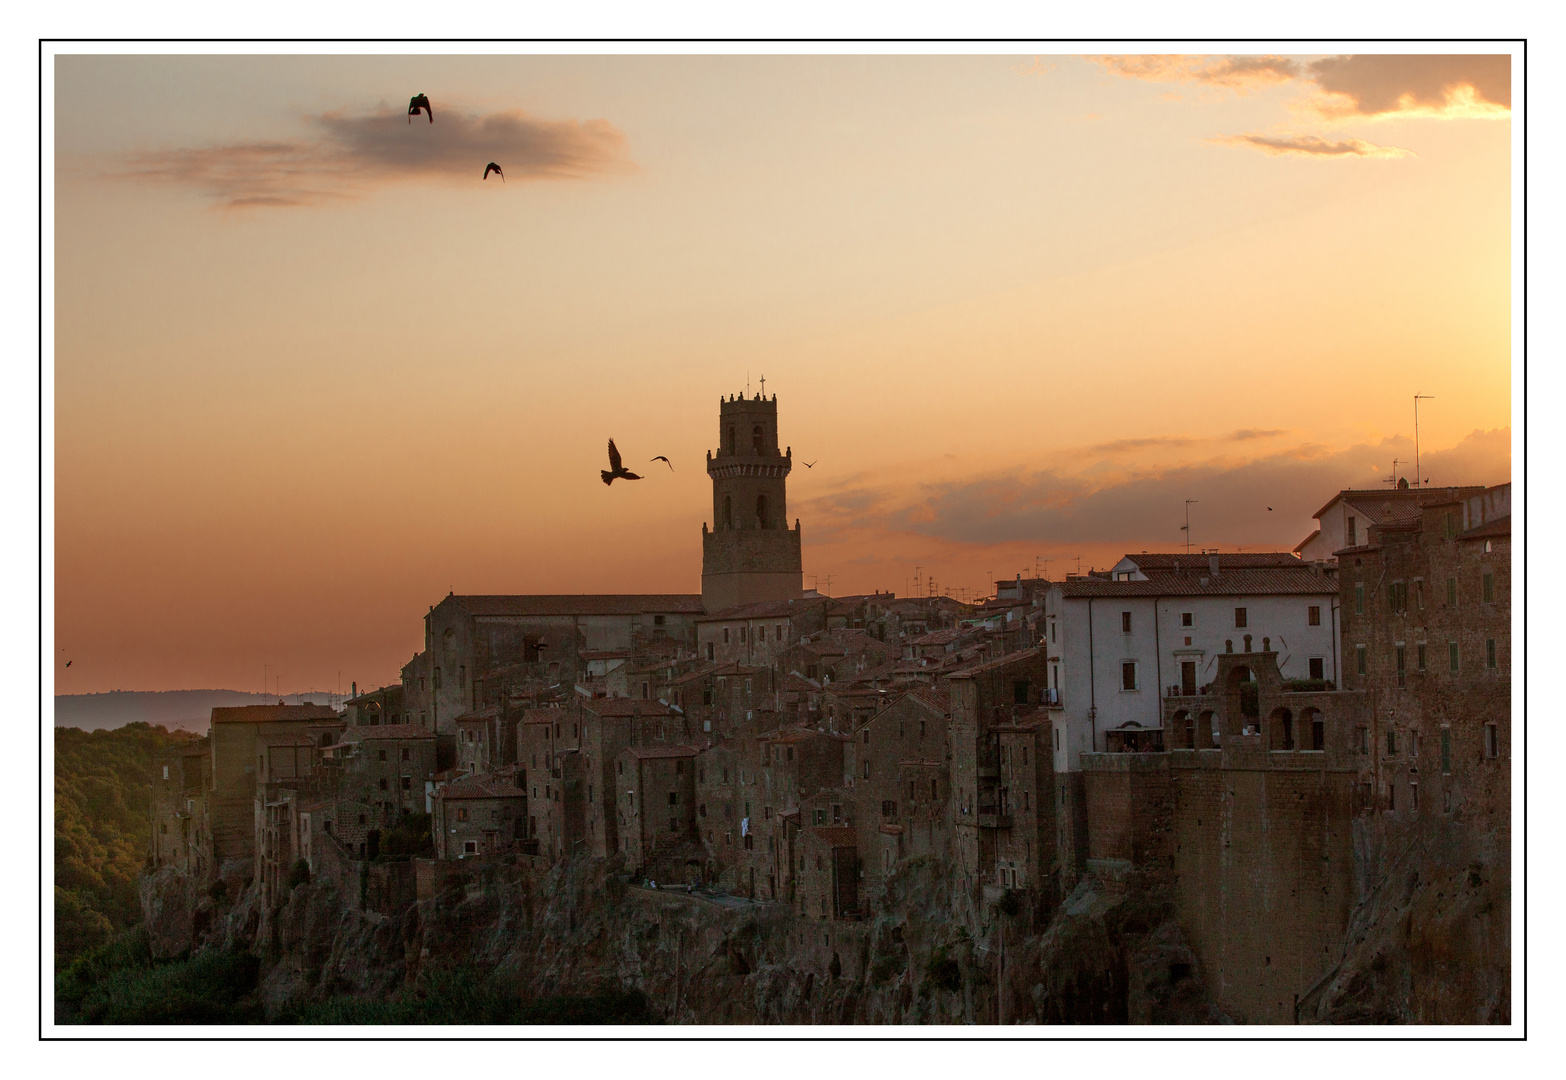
(750, 554)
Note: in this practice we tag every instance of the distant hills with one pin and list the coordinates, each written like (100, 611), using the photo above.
(186, 710)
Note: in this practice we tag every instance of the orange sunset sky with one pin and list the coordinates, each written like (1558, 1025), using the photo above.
(311, 372)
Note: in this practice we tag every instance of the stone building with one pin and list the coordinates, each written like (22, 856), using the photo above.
(234, 737)
(383, 706)
(750, 555)
(387, 766)
(478, 816)
(655, 799)
(180, 826)
(1253, 838)
(467, 637)
(899, 765)
(983, 697)
(1347, 518)
(828, 873)
(1426, 613)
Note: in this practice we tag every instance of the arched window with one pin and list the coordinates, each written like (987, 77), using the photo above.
(761, 511)
(728, 512)
(1318, 728)
(731, 439)
(1281, 728)
(755, 438)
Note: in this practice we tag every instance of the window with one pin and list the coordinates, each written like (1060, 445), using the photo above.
(383, 783)
(165, 772)
(1318, 667)
(674, 798)
(1313, 615)
(1489, 653)
(1451, 656)
(382, 755)
(470, 847)
(1491, 741)
(1128, 675)
(1362, 743)
(407, 783)
(437, 678)
(1239, 617)
(1449, 522)
(866, 735)
(1353, 533)
(1359, 598)
(1402, 679)
(405, 753)
(462, 814)
(1054, 634)
(1451, 592)
(1413, 795)
(742, 635)
(1125, 622)
(1419, 593)
(1391, 742)
(821, 815)
(921, 729)
(1185, 618)
(1419, 656)
(867, 770)
(1397, 596)
(728, 512)
(725, 635)
(1446, 750)
(1488, 585)
(1360, 659)
(1392, 795)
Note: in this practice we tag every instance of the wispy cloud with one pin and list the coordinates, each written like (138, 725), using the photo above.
(348, 155)
(1239, 73)
(1310, 146)
(1175, 442)
(1337, 89)
(1145, 507)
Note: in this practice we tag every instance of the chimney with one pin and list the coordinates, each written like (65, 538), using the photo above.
(1212, 564)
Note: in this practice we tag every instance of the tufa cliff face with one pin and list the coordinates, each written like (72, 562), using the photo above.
(1099, 958)
(1430, 940)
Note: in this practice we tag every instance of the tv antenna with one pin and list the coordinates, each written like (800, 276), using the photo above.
(1393, 478)
(1186, 528)
(1419, 480)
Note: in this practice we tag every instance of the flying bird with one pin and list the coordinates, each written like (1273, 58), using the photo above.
(665, 460)
(417, 102)
(491, 168)
(1269, 508)
(811, 464)
(615, 468)
(69, 662)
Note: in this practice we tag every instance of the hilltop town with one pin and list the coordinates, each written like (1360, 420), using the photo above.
(1262, 737)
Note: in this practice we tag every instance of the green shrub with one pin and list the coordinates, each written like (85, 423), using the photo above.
(943, 973)
(210, 988)
(410, 839)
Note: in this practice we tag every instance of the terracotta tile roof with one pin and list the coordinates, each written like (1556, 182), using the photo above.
(1003, 661)
(477, 787)
(484, 715)
(583, 604)
(543, 716)
(1301, 580)
(1184, 562)
(935, 697)
(607, 654)
(661, 751)
(271, 714)
(387, 731)
(838, 836)
(768, 609)
(286, 740)
(616, 707)
(938, 637)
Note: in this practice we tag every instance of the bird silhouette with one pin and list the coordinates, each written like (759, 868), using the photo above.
(68, 663)
(665, 460)
(811, 464)
(1269, 508)
(615, 468)
(417, 102)
(492, 167)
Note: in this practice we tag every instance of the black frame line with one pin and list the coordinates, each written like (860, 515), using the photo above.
(980, 1035)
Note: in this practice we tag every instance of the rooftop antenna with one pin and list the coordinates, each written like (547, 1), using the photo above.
(1419, 480)
(1393, 478)
(1186, 528)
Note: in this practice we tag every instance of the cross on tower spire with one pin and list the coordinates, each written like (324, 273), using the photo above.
(763, 388)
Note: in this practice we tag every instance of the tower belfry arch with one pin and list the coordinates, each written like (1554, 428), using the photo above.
(750, 554)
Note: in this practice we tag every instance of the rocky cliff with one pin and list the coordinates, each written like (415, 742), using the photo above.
(1100, 957)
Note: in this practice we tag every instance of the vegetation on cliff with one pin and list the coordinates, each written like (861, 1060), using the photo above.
(101, 831)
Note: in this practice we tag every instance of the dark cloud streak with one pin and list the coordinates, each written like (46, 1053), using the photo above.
(352, 154)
